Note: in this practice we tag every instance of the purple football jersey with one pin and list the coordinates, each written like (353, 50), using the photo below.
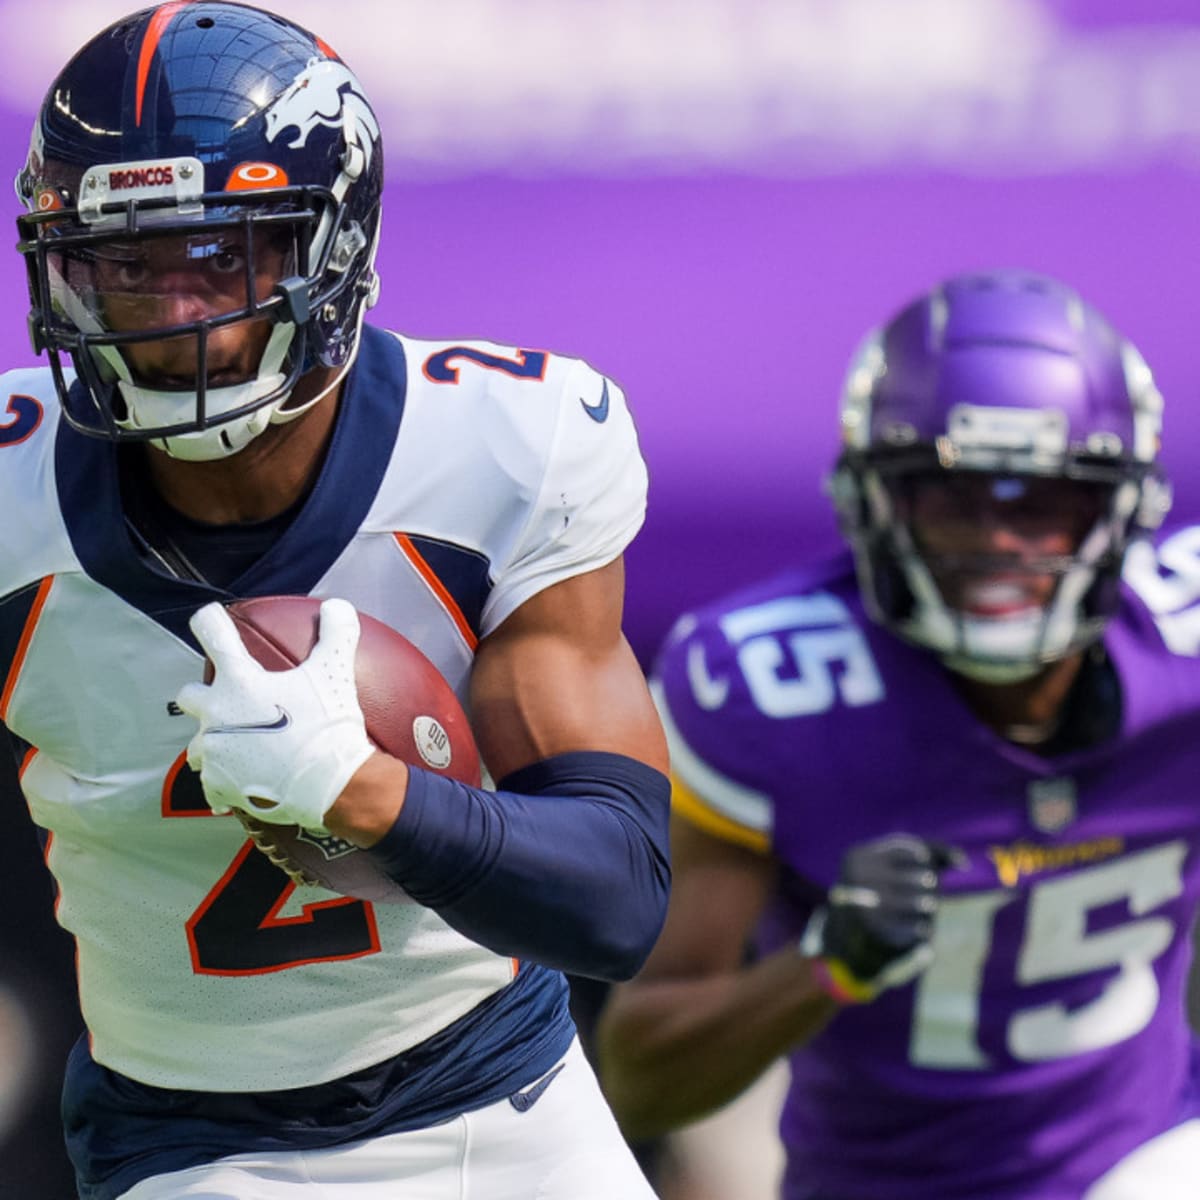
(1049, 1037)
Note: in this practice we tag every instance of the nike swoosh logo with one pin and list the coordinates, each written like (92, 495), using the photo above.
(524, 1101)
(598, 412)
(282, 721)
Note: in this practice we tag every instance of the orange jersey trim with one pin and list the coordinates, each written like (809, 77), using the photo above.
(31, 621)
(438, 588)
(30, 755)
(26, 762)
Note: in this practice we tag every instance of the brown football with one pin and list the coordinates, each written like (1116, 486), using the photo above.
(411, 713)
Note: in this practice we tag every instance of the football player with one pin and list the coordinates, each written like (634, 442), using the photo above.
(948, 783)
(216, 422)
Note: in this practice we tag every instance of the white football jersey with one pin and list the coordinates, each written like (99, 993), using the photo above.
(462, 479)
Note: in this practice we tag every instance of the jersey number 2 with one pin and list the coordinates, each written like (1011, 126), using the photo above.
(24, 416)
(238, 929)
(523, 364)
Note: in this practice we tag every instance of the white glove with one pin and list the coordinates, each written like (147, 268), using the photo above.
(291, 738)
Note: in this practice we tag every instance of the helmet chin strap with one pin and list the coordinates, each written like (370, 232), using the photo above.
(149, 408)
(991, 650)
(1003, 650)
(234, 436)
(991, 672)
(226, 439)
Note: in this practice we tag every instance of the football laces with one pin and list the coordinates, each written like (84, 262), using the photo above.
(260, 835)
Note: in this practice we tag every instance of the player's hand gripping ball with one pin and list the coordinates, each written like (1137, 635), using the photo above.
(287, 716)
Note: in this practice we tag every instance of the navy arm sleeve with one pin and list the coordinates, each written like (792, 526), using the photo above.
(566, 864)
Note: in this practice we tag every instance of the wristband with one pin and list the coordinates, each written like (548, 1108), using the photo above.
(836, 981)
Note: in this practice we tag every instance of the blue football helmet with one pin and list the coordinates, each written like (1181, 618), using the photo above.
(195, 167)
(999, 398)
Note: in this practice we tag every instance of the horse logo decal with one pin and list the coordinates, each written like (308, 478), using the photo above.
(324, 93)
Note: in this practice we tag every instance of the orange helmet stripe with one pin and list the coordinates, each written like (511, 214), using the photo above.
(154, 32)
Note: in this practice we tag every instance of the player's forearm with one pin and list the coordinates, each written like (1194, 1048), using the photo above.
(672, 1051)
(566, 864)
(371, 801)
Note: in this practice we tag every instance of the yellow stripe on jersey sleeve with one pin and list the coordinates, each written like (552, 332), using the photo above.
(688, 805)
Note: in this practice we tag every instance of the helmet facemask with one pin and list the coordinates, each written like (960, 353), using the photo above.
(209, 317)
(987, 528)
(275, 159)
(999, 572)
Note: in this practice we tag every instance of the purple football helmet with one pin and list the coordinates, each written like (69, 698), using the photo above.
(1001, 389)
(216, 143)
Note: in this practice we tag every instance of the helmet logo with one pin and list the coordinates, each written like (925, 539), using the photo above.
(250, 175)
(327, 94)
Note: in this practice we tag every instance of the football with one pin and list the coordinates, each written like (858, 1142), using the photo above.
(411, 713)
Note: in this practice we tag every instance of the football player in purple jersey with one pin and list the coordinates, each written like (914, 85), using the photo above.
(218, 421)
(947, 783)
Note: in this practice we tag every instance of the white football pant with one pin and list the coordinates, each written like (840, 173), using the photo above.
(1165, 1168)
(563, 1146)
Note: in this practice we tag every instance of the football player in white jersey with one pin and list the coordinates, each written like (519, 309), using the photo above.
(216, 422)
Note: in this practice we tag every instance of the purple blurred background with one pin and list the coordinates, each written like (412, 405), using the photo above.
(728, 308)
(712, 200)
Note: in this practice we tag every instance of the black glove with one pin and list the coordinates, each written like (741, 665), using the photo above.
(873, 930)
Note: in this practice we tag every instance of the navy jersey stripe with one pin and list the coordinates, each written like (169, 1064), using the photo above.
(14, 614)
(89, 495)
(368, 423)
(20, 747)
(465, 574)
(119, 1131)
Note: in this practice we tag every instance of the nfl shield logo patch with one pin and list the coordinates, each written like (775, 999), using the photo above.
(1052, 804)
